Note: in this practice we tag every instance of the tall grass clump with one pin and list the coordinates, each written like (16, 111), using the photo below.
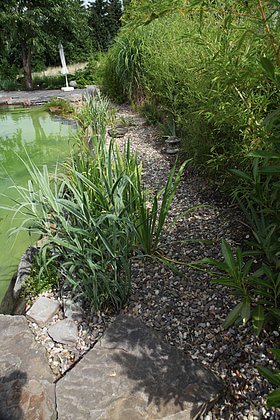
(123, 68)
(94, 215)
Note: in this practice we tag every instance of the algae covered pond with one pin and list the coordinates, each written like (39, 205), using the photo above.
(45, 139)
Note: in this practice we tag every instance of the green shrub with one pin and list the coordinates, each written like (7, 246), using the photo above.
(123, 69)
(50, 82)
(10, 84)
(91, 75)
(258, 289)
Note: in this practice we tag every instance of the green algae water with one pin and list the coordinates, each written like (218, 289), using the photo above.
(45, 139)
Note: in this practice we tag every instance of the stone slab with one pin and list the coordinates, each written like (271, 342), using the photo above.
(65, 331)
(42, 310)
(36, 97)
(132, 373)
(26, 382)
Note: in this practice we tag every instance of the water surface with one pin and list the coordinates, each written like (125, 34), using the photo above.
(45, 139)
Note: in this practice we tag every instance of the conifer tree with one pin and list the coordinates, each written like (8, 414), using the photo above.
(104, 21)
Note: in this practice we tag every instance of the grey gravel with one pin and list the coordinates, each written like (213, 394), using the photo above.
(189, 309)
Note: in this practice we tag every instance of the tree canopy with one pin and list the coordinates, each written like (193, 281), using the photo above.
(30, 31)
(104, 20)
(33, 27)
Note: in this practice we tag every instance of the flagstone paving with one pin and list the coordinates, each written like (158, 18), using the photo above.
(132, 374)
(27, 390)
(37, 97)
(129, 374)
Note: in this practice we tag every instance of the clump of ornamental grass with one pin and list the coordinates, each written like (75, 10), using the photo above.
(95, 215)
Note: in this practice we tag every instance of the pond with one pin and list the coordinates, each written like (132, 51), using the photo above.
(45, 139)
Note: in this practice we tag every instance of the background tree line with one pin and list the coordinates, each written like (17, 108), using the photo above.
(30, 31)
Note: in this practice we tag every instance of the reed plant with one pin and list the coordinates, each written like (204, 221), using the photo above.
(123, 69)
(94, 215)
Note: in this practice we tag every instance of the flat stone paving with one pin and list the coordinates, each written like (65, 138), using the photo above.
(27, 390)
(36, 97)
(132, 374)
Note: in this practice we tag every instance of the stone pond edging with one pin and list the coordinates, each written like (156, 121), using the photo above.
(38, 97)
(130, 373)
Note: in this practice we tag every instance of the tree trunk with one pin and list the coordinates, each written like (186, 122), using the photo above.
(26, 62)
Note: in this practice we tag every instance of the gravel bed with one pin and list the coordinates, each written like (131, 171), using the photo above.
(187, 309)
(62, 357)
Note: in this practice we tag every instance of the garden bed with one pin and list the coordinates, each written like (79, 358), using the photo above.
(188, 309)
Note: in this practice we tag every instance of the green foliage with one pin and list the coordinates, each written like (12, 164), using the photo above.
(9, 84)
(150, 219)
(211, 69)
(273, 399)
(91, 75)
(104, 20)
(41, 277)
(258, 288)
(95, 216)
(50, 82)
(35, 28)
(60, 106)
(96, 114)
(259, 197)
(123, 70)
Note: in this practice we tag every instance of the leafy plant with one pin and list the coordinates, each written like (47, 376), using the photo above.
(97, 114)
(212, 67)
(258, 288)
(9, 84)
(273, 399)
(123, 71)
(91, 75)
(49, 82)
(41, 277)
(150, 219)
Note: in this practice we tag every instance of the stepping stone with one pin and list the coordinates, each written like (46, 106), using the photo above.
(132, 373)
(65, 332)
(42, 311)
(27, 390)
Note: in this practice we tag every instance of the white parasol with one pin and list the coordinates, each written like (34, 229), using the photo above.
(64, 69)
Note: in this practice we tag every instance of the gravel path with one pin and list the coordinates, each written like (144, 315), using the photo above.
(188, 309)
